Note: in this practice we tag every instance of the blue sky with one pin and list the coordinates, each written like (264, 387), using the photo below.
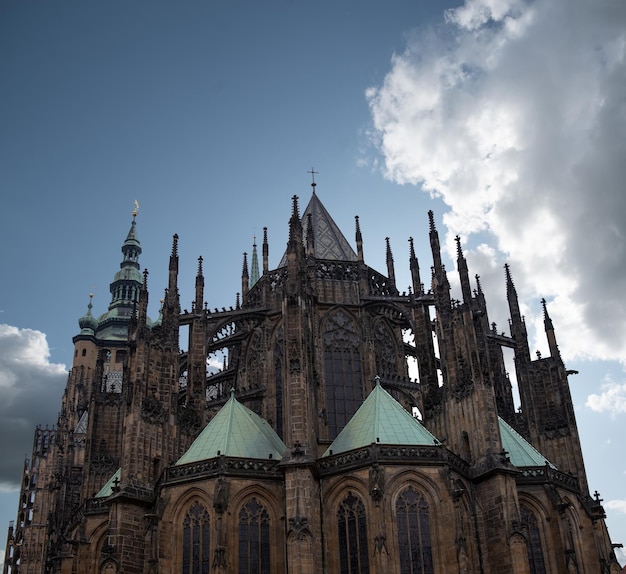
(505, 117)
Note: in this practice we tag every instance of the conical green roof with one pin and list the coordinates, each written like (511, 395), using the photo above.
(380, 419)
(235, 431)
(520, 451)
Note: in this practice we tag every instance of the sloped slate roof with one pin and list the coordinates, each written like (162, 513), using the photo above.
(520, 451)
(330, 243)
(238, 432)
(381, 419)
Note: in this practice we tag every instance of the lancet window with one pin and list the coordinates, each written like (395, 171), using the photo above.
(533, 539)
(414, 540)
(342, 369)
(254, 539)
(278, 374)
(196, 543)
(352, 536)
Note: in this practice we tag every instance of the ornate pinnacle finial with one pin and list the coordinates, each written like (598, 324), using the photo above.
(134, 212)
(358, 225)
(295, 213)
(313, 184)
(478, 285)
(431, 219)
(175, 245)
(459, 250)
(145, 279)
(411, 248)
(507, 271)
(200, 265)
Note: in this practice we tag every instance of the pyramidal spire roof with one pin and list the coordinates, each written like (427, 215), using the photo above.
(520, 451)
(381, 419)
(330, 242)
(238, 432)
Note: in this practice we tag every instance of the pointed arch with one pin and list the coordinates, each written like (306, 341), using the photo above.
(342, 369)
(254, 547)
(279, 361)
(352, 536)
(385, 349)
(196, 540)
(533, 540)
(412, 513)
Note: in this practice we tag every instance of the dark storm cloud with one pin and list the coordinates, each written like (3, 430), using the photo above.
(30, 391)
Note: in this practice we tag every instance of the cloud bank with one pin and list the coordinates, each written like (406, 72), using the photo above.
(514, 113)
(611, 400)
(30, 388)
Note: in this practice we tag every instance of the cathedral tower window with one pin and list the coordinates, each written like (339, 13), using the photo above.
(533, 536)
(278, 374)
(342, 369)
(254, 539)
(196, 550)
(414, 539)
(352, 527)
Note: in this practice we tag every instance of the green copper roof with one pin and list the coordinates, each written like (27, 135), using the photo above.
(235, 431)
(380, 419)
(519, 450)
(107, 489)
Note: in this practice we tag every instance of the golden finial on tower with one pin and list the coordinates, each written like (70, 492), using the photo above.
(134, 213)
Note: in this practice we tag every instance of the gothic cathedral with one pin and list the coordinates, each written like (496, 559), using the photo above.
(309, 449)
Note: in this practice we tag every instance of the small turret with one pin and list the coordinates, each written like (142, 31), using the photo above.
(199, 288)
(518, 327)
(266, 252)
(551, 335)
(359, 239)
(245, 278)
(416, 281)
(254, 265)
(390, 268)
(463, 272)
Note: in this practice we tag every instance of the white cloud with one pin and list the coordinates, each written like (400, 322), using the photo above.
(513, 112)
(611, 400)
(30, 389)
(617, 505)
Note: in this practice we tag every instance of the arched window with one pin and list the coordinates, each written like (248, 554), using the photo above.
(352, 527)
(535, 552)
(342, 369)
(196, 549)
(278, 373)
(254, 539)
(416, 556)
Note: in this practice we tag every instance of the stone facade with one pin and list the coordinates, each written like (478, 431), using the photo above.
(303, 348)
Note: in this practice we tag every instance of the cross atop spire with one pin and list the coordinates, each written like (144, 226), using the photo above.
(313, 172)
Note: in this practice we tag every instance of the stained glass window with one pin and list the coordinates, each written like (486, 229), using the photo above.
(352, 536)
(342, 369)
(254, 539)
(196, 550)
(415, 546)
(533, 537)
(278, 370)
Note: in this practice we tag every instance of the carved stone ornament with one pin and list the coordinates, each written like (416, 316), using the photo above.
(377, 483)
(299, 527)
(152, 410)
(220, 498)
